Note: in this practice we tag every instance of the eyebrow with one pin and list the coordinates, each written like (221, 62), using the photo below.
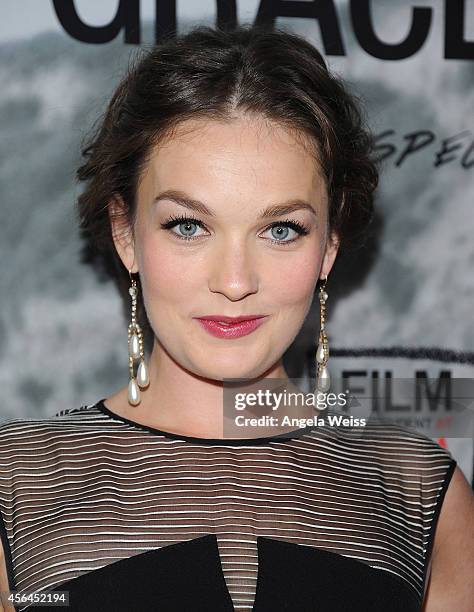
(276, 210)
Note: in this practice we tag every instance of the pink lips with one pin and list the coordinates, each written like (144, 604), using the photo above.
(236, 326)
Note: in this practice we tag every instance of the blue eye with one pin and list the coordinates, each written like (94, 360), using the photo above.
(279, 229)
(186, 225)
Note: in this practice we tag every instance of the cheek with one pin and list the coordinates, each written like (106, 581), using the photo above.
(293, 280)
(168, 278)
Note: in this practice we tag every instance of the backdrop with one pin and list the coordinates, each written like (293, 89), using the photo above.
(401, 308)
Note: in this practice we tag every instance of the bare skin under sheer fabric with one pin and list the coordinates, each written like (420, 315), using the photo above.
(149, 520)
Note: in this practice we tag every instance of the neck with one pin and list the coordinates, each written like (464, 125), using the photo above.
(180, 401)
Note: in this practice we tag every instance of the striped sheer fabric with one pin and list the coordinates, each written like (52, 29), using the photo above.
(85, 488)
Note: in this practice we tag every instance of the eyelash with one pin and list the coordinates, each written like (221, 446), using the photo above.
(301, 229)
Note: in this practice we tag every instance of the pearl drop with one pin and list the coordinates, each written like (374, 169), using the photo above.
(133, 392)
(134, 346)
(320, 354)
(324, 380)
(142, 375)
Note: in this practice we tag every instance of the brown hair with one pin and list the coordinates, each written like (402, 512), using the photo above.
(214, 73)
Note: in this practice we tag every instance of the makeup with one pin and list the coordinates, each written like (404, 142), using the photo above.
(231, 327)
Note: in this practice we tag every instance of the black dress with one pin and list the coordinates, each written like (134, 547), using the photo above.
(129, 518)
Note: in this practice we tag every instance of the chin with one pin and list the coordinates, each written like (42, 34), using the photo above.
(231, 371)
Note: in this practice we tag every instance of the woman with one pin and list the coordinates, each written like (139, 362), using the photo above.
(228, 171)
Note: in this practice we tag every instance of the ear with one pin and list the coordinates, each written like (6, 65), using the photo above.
(122, 233)
(332, 247)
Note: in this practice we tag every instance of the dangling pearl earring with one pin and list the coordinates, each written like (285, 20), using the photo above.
(323, 381)
(135, 350)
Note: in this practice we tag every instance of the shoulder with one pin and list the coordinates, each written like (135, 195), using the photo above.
(390, 444)
(457, 513)
(450, 586)
(55, 417)
(33, 448)
(412, 466)
(23, 433)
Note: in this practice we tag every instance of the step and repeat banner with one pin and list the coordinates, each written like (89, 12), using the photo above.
(400, 309)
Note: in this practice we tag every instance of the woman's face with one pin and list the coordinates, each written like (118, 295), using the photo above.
(232, 263)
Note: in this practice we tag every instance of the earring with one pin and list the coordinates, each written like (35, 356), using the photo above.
(135, 350)
(323, 380)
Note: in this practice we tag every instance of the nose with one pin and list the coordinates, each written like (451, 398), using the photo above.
(233, 272)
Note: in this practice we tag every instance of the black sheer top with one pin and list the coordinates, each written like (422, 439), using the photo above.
(129, 518)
